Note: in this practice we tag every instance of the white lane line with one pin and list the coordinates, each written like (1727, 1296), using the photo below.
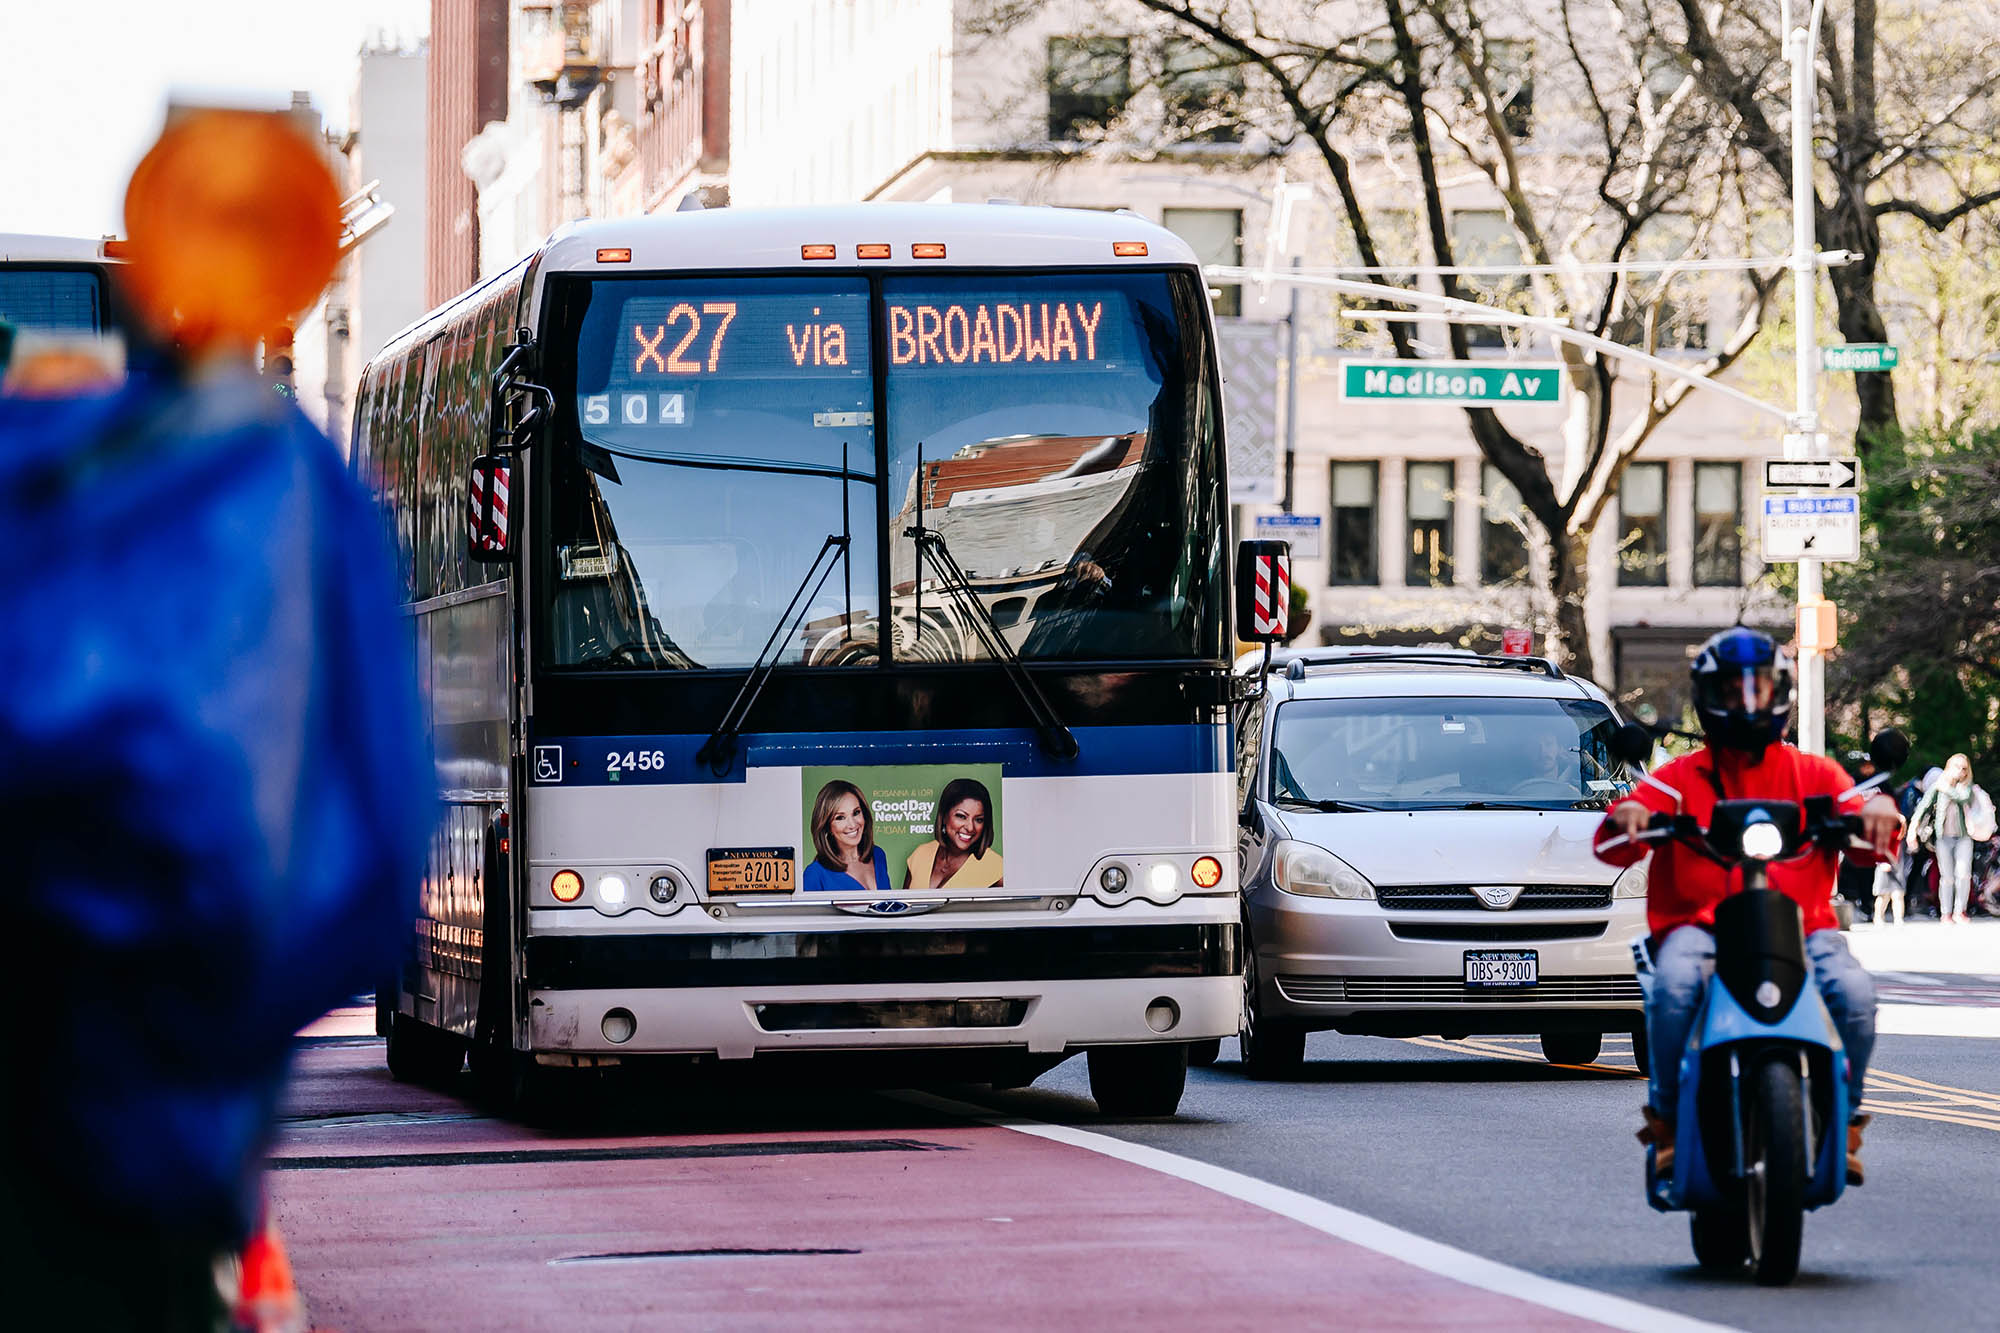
(1345, 1224)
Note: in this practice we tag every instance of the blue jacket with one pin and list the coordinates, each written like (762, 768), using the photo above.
(213, 778)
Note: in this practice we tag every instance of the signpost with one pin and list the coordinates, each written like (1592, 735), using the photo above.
(1812, 527)
(1494, 383)
(1826, 474)
(1301, 530)
(1864, 358)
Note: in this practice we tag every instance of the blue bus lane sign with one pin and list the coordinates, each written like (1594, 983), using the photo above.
(1811, 527)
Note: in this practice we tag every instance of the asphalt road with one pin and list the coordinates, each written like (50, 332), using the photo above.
(1481, 1145)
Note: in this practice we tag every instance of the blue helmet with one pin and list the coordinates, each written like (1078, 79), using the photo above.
(1743, 689)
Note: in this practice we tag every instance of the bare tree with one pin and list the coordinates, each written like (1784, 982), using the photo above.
(1425, 89)
(1906, 128)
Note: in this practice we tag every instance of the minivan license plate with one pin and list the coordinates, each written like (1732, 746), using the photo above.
(1501, 967)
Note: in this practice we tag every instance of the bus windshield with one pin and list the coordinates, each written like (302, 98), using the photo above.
(1056, 431)
(69, 300)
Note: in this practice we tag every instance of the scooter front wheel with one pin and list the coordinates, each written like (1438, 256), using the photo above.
(1775, 1158)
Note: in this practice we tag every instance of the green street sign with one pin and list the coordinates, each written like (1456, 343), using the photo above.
(1489, 382)
(1859, 356)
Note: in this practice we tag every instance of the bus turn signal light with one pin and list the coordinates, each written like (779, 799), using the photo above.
(621, 254)
(927, 250)
(567, 886)
(1129, 249)
(871, 251)
(816, 252)
(1207, 873)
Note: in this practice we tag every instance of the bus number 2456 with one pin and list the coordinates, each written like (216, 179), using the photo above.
(635, 761)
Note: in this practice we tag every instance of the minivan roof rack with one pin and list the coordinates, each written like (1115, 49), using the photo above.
(1296, 668)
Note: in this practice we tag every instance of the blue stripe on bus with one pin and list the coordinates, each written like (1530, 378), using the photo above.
(586, 761)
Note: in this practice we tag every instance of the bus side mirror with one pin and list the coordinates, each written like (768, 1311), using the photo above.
(1263, 591)
(489, 535)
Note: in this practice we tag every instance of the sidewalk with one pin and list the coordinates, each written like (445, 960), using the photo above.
(1933, 979)
(1928, 946)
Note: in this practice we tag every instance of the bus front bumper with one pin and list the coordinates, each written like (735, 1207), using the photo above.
(1036, 990)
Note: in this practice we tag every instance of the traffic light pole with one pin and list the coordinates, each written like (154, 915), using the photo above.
(1805, 440)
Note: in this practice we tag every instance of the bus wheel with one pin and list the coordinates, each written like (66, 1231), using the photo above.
(420, 1053)
(1138, 1080)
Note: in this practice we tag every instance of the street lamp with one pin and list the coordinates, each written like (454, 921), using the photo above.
(1805, 440)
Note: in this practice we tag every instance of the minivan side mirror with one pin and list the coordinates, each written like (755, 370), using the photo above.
(1263, 591)
(1633, 744)
(489, 535)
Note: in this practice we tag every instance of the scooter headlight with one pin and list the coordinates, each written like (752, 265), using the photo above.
(1762, 841)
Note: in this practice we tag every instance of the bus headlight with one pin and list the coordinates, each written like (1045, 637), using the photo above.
(611, 890)
(1163, 881)
(1114, 879)
(1314, 872)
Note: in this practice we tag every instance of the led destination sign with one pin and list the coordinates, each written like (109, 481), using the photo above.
(994, 334)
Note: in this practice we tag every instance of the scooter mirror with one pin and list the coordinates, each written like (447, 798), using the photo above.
(1632, 743)
(1890, 750)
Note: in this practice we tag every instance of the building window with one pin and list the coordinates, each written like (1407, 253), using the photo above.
(1429, 505)
(1482, 236)
(1503, 529)
(1718, 524)
(1090, 79)
(1642, 526)
(1351, 546)
(1216, 237)
(1201, 92)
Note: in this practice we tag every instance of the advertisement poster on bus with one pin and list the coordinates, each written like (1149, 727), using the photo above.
(901, 828)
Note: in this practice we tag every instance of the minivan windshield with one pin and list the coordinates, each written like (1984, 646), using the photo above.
(1445, 753)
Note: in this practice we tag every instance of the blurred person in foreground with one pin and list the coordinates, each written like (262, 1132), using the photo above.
(211, 764)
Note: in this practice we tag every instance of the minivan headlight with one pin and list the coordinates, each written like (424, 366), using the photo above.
(1314, 872)
(1631, 883)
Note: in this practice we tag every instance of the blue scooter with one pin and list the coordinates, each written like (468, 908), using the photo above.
(1761, 1128)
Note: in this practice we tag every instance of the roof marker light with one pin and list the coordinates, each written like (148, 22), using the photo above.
(114, 248)
(871, 251)
(816, 252)
(621, 254)
(927, 250)
(1129, 249)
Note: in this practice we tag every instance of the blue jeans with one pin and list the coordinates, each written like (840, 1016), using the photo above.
(1682, 966)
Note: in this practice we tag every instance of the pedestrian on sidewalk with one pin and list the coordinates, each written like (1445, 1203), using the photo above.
(1954, 815)
(215, 785)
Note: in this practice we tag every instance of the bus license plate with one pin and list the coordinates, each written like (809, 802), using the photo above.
(1497, 967)
(750, 870)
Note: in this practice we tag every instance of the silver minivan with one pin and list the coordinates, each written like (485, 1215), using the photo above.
(1416, 834)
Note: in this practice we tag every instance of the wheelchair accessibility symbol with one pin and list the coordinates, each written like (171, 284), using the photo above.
(548, 763)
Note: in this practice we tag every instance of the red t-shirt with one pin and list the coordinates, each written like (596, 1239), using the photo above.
(1682, 886)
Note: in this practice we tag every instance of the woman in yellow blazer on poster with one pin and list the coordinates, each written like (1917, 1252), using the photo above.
(961, 856)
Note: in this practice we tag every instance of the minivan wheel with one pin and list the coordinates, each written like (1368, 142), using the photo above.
(1272, 1048)
(1571, 1048)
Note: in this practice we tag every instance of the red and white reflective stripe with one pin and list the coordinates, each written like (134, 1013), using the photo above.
(1274, 595)
(487, 532)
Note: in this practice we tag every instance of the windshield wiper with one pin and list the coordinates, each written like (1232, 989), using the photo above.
(719, 750)
(1499, 805)
(1056, 738)
(1329, 807)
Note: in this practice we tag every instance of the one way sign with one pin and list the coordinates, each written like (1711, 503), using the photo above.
(1823, 474)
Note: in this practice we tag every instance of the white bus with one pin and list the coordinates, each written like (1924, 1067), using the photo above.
(842, 665)
(55, 284)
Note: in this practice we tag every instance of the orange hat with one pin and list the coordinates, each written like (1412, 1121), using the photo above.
(233, 220)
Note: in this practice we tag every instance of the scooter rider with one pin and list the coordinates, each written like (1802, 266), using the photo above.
(1743, 695)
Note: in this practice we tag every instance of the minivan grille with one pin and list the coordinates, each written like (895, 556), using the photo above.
(1460, 897)
(1497, 932)
(1451, 990)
